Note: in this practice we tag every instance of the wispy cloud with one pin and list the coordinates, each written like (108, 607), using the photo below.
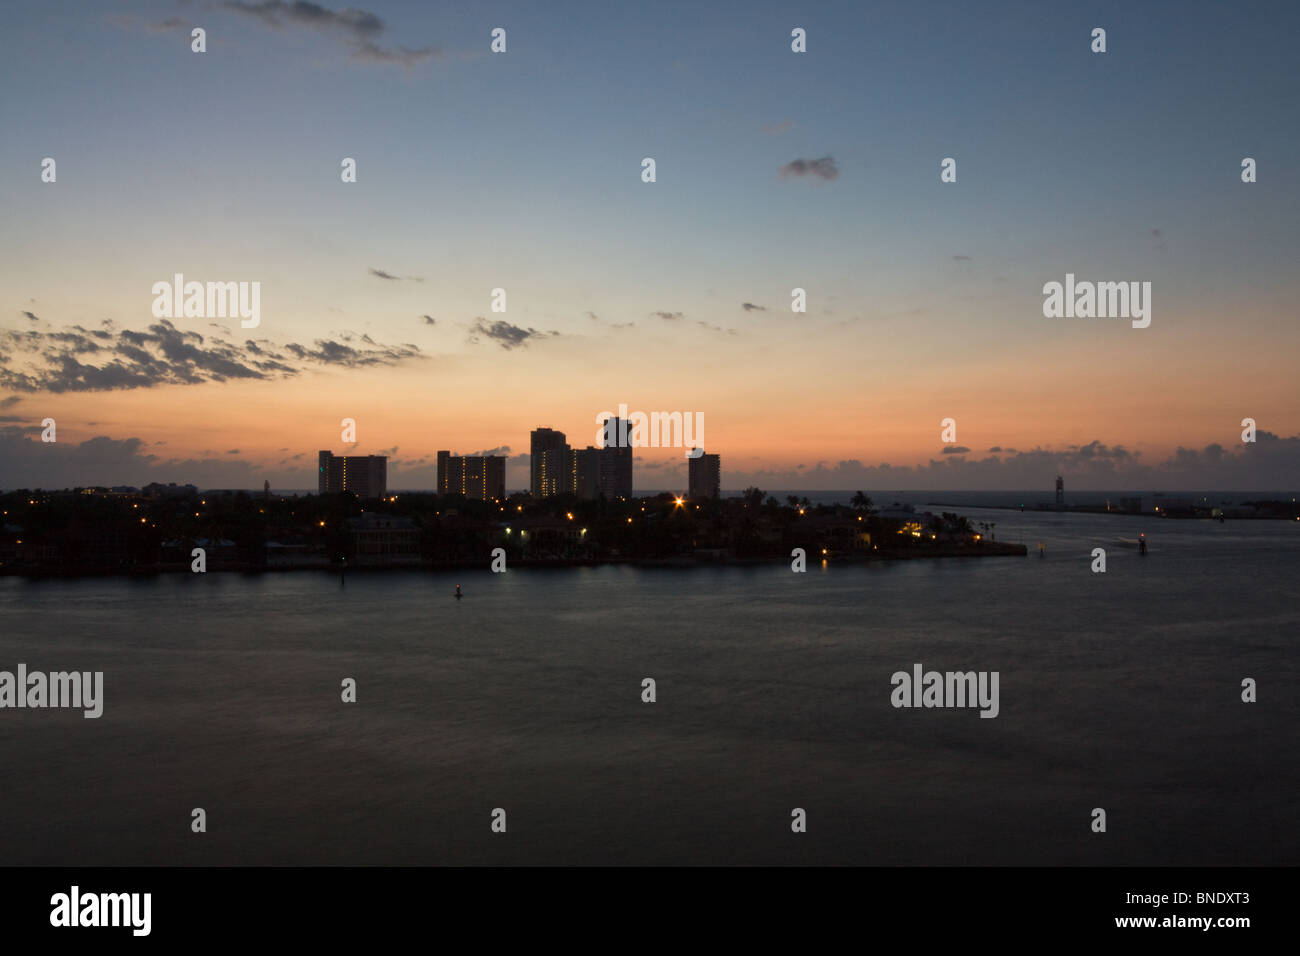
(751, 307)
(823, 168)
(381, 274)
(776, 129)
(166, 355)
(668, 316)
(167, 26)
(358, 29)
(503, 333)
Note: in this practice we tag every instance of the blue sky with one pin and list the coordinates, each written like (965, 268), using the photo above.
(522, 170)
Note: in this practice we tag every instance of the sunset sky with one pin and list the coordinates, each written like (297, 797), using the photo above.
(522, 171)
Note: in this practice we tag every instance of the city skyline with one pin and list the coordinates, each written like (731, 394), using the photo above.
(775, 172)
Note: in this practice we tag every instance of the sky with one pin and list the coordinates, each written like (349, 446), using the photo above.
(774, 170)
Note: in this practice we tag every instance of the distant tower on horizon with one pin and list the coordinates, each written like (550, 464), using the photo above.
(704, 476)
(1060, 492)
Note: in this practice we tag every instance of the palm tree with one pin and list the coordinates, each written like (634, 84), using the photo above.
(861, 502)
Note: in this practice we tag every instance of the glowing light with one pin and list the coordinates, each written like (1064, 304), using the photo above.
(680, 501)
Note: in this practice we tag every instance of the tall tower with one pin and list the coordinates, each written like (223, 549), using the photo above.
(547, 452)
(704, 476)
(323, 474)
(615, 461)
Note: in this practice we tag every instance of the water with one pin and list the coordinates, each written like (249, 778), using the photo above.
(1119, 691)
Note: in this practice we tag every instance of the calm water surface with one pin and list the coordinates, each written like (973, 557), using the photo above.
(1119, 691)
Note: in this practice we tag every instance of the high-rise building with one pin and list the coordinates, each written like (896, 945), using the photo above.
(614, 478)
(547, 462)
(705, 476)
(584, 467)
(366, 476)
(555, 476)
(482, 476)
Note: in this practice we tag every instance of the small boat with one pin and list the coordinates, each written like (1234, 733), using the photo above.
(1139, 543)
(458, 594)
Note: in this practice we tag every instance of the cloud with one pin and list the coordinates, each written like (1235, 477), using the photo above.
(168, 25)
(328, 352)
(823, 168)
(751, 307)
(776, 129)
(32, 316)
(166, 355)
(714, 328)
(369, 52)
(233, 451)
(392, 278)
(428, 320)
(995, 449)
(668, 316)
(961, 258)
(358, 29)
(1270, 463)
(503, 333)
(955, 450)
(273, 13)
(9, 402)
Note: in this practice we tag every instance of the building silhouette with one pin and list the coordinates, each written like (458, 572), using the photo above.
(614, 477)
(704, 476)
(584, 469)
(482, 476)
(366, 476)
(548, 463)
